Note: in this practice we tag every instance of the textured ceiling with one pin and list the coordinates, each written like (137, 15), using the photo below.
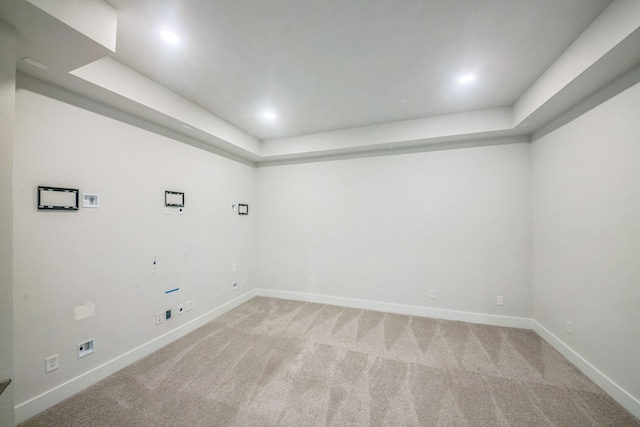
(339, 64)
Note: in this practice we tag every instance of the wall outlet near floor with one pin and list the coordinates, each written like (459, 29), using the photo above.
(86, 348)
(180, 309)
(159, 318)
(500, 300)
(311, 283)
(235, 286)
(51, 363)
(432, 294)
(569, 327)
(189, 305)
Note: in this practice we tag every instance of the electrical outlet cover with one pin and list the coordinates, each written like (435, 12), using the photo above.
(51, 363)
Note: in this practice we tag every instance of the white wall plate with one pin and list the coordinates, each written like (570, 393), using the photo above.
(90, 200)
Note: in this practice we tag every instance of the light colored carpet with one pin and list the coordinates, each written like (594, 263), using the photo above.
(274, 362)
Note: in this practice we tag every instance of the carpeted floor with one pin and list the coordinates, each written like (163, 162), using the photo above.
(274, 362)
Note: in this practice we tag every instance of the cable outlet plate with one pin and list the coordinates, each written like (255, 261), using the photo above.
(90, 200)
(85, 348)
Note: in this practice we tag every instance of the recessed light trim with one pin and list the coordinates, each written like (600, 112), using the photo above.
(170, 37)
(468, 78)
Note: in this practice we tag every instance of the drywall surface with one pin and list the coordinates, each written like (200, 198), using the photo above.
(586, 236)
(391, 229)
(94, 18)
(7, 117)
(103, 273)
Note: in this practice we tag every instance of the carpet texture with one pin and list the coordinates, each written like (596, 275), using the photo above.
(273, 362)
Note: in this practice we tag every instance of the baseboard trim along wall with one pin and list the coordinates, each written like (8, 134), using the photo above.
(485, 319)
(34, 406)
(630, 403)
(619, 394)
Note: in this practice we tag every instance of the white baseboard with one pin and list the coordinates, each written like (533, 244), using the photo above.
(34, 406)
(413, 310)
(619, 394)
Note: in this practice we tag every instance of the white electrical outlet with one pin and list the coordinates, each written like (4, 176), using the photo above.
(311, 283)
(159, 318)
(432, 294)
(569, 327)
(51, 363)
(500, 300)
(189, 305)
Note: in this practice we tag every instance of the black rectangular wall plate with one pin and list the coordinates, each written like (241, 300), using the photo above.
(57, 198)
(174, 198)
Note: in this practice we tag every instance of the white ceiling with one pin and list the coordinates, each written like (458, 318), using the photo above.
(336, 64)
(345, 77)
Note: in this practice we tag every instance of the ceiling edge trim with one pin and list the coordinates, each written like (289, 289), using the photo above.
(440, 146)
(33, 84)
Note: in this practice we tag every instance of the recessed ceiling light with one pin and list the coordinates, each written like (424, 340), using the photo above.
(170, 37)
(467, 78)
(270, 115)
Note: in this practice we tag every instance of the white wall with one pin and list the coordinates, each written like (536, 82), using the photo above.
(586, 237)
(389, 229)
(7, 117)
(381, 229)
(105, 256)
